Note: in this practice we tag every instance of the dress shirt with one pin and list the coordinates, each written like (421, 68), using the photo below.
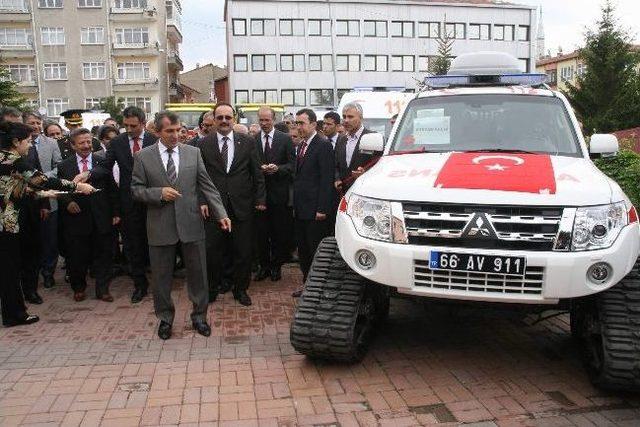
(89, 162)
(230, 147)
(262, 135)
(333, 140)
(175, 156)
(140, 139)
(308, 142)
(352, 141)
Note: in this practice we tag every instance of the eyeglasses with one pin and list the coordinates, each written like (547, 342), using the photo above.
(227, 118)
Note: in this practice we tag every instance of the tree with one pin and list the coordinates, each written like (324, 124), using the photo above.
(113, 107)
(607, 96)
(441, 63)
(9, 95)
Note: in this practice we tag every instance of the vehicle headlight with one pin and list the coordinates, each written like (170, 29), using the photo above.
(598, 227)
(371, 217)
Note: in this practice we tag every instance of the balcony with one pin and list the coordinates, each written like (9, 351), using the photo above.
(135, 49)
(27, 87)
(174, 28)
(134, 85)
(173, 60)
(146, 11)
(17, 52)
(15, 11)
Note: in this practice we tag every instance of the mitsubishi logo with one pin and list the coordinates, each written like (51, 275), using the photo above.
(479, 228)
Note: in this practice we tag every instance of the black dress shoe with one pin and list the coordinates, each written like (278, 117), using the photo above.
(138, 295)
(164, 330)
(242, 297)
(33, 298)
(276, 274)
(202, 327)
(49, 282)
(27, 320)
(261, 275)
(225, 287)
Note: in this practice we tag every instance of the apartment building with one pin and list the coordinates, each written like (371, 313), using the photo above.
(309, 52)
(71, 53)
(561, 69)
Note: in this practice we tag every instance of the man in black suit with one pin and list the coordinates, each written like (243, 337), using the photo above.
(232, 163)
(275, 151)
(206, 125)
(87, 221)
(312, 191)
(134, 231)
(350, 162)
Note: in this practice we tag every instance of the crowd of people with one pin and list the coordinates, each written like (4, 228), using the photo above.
(223, 201)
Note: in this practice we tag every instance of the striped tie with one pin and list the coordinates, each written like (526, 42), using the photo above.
(171, 168)
(225, 152)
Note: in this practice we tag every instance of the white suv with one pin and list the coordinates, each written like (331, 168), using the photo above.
(484, 192)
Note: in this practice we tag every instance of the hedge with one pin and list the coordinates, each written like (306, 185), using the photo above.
(624, 168)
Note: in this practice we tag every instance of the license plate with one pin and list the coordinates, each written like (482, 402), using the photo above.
(477, 263)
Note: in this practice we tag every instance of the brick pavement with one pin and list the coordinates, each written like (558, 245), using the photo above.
(93, 363)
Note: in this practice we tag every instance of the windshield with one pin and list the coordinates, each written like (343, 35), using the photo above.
(536, 124)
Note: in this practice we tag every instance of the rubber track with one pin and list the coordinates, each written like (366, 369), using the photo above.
(619, 309)
(323, 325)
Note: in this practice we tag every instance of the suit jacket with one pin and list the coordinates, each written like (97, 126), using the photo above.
(193, 141)
(242, 188)
(64, 145)
(180, 220)
(49, 157)
(358, 159)
(96, 210)
(120, 152)
(282, 155)
(313, 182)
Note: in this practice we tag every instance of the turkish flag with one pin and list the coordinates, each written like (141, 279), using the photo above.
(527, 173)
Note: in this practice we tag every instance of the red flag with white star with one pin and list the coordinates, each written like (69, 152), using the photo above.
(527, 173)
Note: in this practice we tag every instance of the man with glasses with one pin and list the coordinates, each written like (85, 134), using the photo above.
(312, 191)
(206, 125)
(232, 163)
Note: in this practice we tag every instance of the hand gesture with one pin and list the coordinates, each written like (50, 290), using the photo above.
(84, 188)
(73, 208)
(225, 224)
(170, 194)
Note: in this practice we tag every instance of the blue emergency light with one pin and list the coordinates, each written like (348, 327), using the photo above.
(520, 79)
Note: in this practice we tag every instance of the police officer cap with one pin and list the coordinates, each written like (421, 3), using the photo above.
(73, 117)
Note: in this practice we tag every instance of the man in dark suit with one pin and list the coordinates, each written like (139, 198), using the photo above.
(73, 120)
(331, 123)
(87, 221)
(133, 213)
(206, 125)
(350, 162)
(232, 163)
(275, 151)
(312, 191)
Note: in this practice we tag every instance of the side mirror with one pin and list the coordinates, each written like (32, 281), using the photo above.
(603, 144)
(372, 143)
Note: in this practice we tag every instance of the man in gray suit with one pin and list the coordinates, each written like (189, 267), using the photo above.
(169, 178)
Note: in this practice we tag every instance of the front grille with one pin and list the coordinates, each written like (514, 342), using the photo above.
(513, 227)
(529, 284)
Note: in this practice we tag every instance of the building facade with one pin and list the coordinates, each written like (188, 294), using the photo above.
(561, 69)
(203, 79)
(309, 52)
(72, 53)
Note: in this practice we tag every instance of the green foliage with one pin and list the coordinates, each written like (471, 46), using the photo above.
(440, 65)
(625, 170)
(113, 107)
(9, 95)
(607, 97)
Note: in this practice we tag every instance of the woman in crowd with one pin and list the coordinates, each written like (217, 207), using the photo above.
(19, 181)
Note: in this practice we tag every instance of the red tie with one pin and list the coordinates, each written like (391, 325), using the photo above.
(136, 144)
(303, 146)
(85, 165)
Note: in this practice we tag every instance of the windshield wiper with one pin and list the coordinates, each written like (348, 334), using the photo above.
(500, 150)
(414, 151)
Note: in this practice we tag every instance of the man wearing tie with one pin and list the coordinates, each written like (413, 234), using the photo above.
(232, 163)
(172, 181)
(122, 150)
(275, 151)
(312, 192)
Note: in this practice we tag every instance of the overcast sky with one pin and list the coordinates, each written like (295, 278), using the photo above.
(564, 24)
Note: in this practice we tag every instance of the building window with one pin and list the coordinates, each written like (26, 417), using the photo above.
(21, 73)
(296, 97)
(55, 71)
(52, 36)
(55, 106)
(263, 27)
(566, 73)
(342, 92)
(269, 96)
(523, 33)
(430, 30)
(374, 28)
(524, 64)
(347, 28)
(239, 27)
(130, 4)
(319, 27)
(503, 32)
(321, 97)
(240, 63)
(455, 30)
(15, 37)
(47, 4)
(479, 32)
(89, 3)
(552, 77)
(402, 63)
(92, 35)
(291, 62)
(424, 63)
(401, 29)
(134, 71)
(263, 63)
(347, 62)
(242, 96)
(132, 36)
(143, 102)
(94, 71)
(14, 5)
(92, 103)
(375, 63)
(320, 63)
(581, 70)
(292, 27)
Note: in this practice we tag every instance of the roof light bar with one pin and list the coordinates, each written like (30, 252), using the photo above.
(530, 79)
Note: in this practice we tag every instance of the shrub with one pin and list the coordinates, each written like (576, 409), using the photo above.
(625, 170)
